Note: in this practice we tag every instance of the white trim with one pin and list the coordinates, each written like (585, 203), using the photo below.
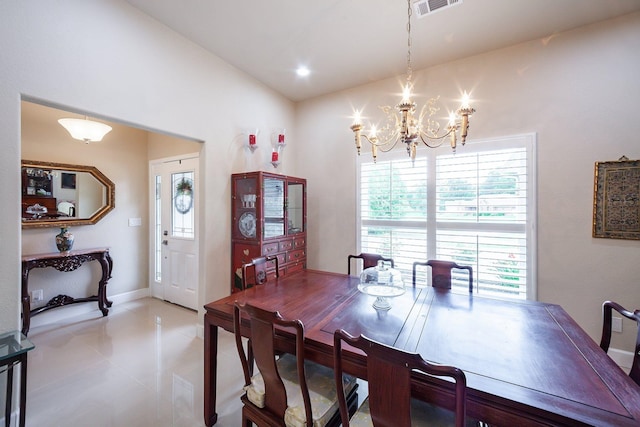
(200, 330)
(623, 358)
(157, 288)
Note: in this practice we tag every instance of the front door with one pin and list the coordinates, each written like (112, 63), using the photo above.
(173, 212)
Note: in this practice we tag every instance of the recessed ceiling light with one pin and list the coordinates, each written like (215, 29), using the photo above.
(302, 71)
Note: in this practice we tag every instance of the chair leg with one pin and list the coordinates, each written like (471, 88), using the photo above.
(352, 407)
(246, 422)
(250, 359)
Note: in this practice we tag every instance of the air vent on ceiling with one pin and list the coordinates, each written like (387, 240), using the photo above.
(425, 7)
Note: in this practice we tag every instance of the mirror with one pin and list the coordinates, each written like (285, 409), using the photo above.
(63, 195)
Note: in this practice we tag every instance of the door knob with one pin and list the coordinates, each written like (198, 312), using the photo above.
(165, 242)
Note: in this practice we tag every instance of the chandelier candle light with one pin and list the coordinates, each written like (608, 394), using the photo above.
(403, 125)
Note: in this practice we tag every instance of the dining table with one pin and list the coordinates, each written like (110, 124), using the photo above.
(527, 363)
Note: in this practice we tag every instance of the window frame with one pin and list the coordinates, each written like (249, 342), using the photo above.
(527, 141)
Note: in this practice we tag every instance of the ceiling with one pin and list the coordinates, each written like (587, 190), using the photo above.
(346, 43)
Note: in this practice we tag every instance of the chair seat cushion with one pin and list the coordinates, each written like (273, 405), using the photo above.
(423, 414)
(322, 391)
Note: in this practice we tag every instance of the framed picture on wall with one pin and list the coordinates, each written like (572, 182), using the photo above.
(616, 199)
(68, 180)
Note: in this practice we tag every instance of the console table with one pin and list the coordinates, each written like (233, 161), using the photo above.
(65, 261)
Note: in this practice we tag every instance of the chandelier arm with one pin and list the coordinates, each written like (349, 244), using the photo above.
(424, 135)
(382, 142)
(431, 142)
(390, 148)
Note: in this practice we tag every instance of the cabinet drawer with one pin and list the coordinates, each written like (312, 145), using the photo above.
(285, 245)
(295, 255)
(270, 249)
(299, 243)
(291, 268)
(271, 265)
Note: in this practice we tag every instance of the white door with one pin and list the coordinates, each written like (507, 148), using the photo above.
(174, 219)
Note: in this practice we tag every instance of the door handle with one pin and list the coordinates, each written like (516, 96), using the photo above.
(165, 242)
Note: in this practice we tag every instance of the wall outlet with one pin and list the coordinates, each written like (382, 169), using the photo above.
(37, 295)
(616, 324)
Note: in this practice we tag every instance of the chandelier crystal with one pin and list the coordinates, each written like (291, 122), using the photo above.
(403, 124)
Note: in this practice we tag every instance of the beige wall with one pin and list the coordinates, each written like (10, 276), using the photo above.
(576, 90)
(122, 157)
(109, 60)
(161, 146)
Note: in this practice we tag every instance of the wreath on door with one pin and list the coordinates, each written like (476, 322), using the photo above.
(183, 200)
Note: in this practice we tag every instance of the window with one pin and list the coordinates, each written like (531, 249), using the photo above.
(475, 207)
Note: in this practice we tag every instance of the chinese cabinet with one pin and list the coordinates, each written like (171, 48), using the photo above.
(37, 188)
(269, 218)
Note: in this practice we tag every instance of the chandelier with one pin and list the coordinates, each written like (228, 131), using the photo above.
(403, 124)
(85, 130)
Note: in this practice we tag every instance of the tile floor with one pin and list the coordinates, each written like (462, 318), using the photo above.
(140, 366)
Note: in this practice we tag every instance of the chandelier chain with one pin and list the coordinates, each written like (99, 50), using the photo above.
(409, 70)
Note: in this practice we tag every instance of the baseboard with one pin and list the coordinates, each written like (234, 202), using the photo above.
(200, 330)
(624, 359)
(130, 296)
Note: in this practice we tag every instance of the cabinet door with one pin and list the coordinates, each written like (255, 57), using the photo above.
(245, 208)
(295, 207)
(37, 182)
(273, 208)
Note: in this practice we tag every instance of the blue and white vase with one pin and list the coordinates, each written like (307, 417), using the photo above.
(64, 240)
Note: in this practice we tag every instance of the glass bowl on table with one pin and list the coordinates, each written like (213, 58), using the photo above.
(382, 282)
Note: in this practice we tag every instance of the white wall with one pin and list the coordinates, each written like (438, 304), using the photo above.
(107, 59)
(577, 90)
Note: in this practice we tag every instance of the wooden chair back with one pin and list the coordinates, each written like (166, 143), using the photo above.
(390, 401)
(262, 325)
(441, 273)
(259, 267)
(368, 260)
(605, 340)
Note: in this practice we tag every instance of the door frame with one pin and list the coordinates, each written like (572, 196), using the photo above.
(156, 289)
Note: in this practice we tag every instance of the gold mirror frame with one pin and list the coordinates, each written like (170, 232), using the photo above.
(108, 206)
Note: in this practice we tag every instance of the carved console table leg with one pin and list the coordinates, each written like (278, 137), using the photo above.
(107, 266)
(26, 301)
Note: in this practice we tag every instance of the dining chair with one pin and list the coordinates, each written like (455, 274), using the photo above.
(368, 260)
(288, 390)
(389, 376)
(441, 273)
(607, 310)
(260, 275)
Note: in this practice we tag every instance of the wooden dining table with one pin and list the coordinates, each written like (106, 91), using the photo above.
(527, 363)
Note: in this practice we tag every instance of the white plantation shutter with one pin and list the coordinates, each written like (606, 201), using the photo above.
(475, 207)
(393, 210)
